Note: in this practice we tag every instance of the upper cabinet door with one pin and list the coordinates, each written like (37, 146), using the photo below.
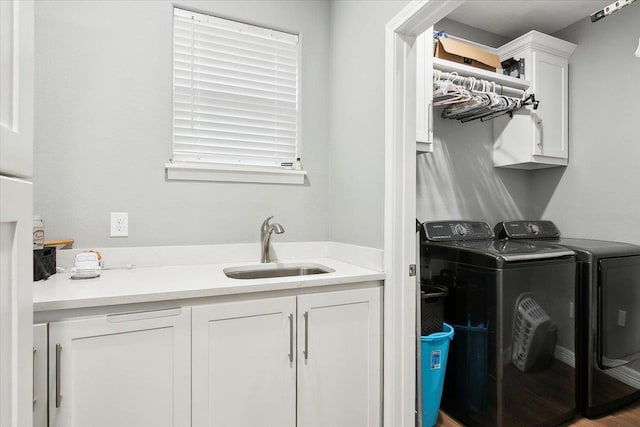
(551, 118)
(16, 88)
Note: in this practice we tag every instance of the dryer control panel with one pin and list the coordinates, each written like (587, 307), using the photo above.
(457, 230)
(526, 230)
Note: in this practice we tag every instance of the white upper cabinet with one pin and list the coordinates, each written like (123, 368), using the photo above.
(527, 138)
(16, 88)
(534, 139)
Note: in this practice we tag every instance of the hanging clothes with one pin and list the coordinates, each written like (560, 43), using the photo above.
(468, 98)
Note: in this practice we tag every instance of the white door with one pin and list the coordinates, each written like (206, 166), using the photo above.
(16, 88)
(16, 302)
(244, 372)
(125, 370)
(40, 375)
(339, 352)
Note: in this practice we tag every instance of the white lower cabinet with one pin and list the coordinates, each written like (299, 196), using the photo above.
(40, 375)
(246, 354)
(312, 360)
(128, 369)
(339, 354)
(244, 372)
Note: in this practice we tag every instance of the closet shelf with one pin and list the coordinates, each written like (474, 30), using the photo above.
(468, 71)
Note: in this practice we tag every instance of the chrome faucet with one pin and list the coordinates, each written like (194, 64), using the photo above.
(265, 238)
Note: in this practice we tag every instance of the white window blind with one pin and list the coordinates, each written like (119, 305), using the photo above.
(235, 92)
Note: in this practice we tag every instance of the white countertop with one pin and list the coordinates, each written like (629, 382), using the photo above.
(162, 283)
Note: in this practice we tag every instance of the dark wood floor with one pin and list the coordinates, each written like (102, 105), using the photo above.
(625, 417)
(548, 390)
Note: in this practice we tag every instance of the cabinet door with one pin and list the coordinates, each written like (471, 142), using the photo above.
(424, 92)
(16, 302)
(16, 87)
(243, 371)
(339, 352)
(121, 370)
(40, 375)
(551, 134)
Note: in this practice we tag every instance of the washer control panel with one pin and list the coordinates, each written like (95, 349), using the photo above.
(527, 230)
(457, 230)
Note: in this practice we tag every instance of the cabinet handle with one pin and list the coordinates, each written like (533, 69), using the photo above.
(143, 315)
(430, 122)
(540, 134)
(33, 385)
(291, 337)
(58, 385)
(306, 335)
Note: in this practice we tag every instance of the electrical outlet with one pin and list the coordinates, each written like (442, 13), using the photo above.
(119, 224)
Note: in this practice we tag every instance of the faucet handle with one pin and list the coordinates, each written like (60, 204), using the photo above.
(265, 224)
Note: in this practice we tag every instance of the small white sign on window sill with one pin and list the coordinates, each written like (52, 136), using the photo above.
(233, 173)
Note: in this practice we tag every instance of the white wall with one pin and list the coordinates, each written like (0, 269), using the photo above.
(597, 196)
(357, 119)
(103, 84)
(458, 180)
(103, 132)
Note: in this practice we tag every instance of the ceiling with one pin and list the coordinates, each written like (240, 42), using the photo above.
(512, 18)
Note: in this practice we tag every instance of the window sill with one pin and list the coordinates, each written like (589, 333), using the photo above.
(233, 173)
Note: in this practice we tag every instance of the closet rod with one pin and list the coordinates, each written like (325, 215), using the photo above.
(500, 88)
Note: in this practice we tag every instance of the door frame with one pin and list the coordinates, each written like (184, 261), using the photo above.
(400, 206)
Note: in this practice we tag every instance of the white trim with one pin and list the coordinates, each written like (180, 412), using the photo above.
(400, 206)
(233, 173)
(538, 41)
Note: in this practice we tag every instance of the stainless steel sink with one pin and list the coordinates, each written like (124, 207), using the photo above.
(265, 271)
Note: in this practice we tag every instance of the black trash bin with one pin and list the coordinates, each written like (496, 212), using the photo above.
(432, 307)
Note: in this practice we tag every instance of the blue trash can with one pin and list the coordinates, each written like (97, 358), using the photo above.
(434, 350)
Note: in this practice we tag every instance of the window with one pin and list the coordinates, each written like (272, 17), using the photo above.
(235, 100)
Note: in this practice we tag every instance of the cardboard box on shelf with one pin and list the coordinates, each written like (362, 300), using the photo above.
(462, 53)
